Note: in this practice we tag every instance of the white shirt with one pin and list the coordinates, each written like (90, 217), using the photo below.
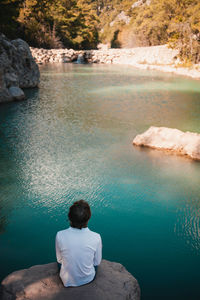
(78, 251)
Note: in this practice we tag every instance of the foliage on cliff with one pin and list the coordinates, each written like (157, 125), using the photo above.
(82, 24)
(51, 23)
(156, 22)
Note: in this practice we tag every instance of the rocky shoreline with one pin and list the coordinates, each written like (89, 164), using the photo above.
(159, 58)
(42, 282)
(18, 69)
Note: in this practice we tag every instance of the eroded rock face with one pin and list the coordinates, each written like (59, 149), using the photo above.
(17, 68)
(112, 282)
(163, 138)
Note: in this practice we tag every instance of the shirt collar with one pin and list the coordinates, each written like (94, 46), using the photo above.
(77, 229)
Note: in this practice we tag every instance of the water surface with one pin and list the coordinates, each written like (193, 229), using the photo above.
(72, 139)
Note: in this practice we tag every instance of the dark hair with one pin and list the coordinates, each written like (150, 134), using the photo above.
(79, 214)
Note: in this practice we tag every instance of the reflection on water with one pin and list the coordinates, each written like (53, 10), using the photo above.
(188, 225)
(72, 139)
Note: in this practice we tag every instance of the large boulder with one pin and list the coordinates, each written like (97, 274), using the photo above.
(42, 282)
(163, 138)
(17, 68)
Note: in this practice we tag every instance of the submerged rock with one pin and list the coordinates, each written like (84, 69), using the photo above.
(18, 69)
(16, 93)
(112, 282)
(163, 138)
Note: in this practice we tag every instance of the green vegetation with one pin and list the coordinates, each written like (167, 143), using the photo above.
(82, 24)
(51, 23)
(157, 22)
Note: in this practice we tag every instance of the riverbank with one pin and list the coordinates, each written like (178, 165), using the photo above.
(159, 58)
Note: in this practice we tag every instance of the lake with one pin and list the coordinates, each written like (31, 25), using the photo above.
(71, 140)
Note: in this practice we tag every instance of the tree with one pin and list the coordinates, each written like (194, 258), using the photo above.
(9, 10)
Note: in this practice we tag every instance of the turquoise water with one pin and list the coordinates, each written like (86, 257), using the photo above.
(72, 139)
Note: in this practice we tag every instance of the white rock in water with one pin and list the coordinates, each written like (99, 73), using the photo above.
(16, 93)
(112, 282)
(185, 143)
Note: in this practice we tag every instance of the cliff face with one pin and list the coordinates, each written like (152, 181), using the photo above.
(112, 282)
(17, 69)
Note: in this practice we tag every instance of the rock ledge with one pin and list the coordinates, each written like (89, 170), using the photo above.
(163, 138)
(113, 282)
(18, 69)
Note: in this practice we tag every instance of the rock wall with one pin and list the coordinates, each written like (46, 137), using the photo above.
(163, 138)
(159, 58)
(112, 282)
(54, 55)
(142, 55)
(17, 69)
